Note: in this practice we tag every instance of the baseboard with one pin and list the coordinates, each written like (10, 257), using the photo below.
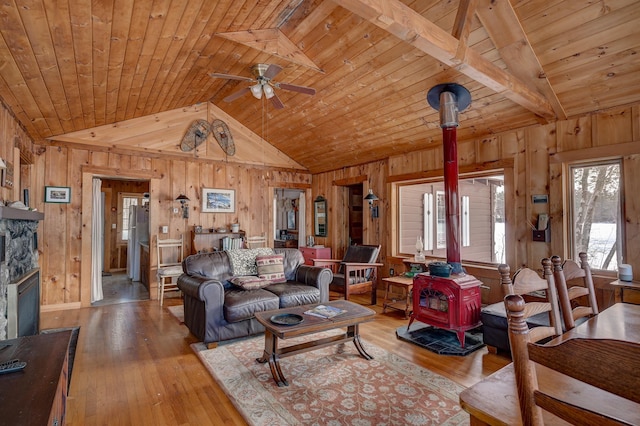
(60, 307)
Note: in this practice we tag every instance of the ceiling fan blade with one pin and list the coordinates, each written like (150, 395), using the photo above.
(230, 77)
(299, 89)
(272, 71)
(232, 97)
(276, 102)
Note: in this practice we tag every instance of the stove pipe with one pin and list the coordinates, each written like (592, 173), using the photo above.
(449, 99)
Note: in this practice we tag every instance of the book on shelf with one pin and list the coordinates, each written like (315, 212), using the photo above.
(324, 311)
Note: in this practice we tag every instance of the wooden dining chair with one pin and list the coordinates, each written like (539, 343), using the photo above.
(610, 365)
(170, 254)
(575, 286)
(540, 294)
(257, 241)
(356, 272)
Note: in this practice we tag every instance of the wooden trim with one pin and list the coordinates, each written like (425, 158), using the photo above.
(118, 173)
(600, 152)
(165, 155)
(290, 185)
(472, 168)
(350, 181)
(60, 307)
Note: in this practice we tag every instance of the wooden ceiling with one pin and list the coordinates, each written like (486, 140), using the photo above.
(71, 65)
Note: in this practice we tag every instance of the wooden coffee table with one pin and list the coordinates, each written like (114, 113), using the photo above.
(354, 315)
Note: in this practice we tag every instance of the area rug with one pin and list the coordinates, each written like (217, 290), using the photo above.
(177, 311)
(443, 342)
(333, 386)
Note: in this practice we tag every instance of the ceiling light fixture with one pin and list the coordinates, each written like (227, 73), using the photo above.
(256, 91)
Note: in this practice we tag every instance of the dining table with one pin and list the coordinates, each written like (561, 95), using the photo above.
(494, 400)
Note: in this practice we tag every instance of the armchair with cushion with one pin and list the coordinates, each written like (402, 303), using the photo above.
(356, 272)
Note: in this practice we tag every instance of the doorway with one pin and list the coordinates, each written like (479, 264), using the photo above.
(125, 241)
(288, 218)
(355, 202)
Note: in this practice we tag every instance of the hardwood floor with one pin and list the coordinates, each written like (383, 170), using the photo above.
(134, 366)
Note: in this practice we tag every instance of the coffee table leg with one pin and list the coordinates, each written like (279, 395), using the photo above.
(354, 330)
(270, 354)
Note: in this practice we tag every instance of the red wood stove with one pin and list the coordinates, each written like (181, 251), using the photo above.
(452, 303)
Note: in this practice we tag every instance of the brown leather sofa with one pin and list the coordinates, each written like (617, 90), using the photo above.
(216, 310)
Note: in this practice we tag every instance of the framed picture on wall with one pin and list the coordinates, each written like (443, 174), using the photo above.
(57, 194)
(218, 200)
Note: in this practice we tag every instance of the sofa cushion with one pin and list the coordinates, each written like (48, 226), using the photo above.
(271, 268)
(240, 305)
(292, 259)
(243, 261)
(294, 294)
(250, 282)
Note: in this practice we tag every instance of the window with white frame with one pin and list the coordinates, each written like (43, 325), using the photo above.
(422, 213)
(595, 213)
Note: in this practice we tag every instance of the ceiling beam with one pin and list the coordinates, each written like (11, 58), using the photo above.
(411, 27)
(503, 26)
(273, 42)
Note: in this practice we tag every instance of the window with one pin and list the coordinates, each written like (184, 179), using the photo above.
(595, 213)
(422, 213)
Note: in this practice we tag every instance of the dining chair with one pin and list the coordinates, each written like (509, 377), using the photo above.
(356, 272)
(170, 254)
(610, 365)
(541, 298)
(571, 296)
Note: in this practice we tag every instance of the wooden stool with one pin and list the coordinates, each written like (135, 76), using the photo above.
(403, 305)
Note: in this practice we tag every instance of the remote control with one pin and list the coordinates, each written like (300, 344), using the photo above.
(11, 366)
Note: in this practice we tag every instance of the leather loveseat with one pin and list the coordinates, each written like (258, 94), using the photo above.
(216, 310)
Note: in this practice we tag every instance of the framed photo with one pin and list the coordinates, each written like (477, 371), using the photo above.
(57, 194)
(218, 200)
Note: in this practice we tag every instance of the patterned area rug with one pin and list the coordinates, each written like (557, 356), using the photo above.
(443, 342)
(333, 386)
(177, 311)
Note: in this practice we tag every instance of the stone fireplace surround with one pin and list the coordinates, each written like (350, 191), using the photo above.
(19, 254)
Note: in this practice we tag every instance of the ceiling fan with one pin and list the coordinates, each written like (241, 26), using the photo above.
(263, 84)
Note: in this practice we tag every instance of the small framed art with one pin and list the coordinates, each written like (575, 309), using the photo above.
(218, 200)
(57, 194)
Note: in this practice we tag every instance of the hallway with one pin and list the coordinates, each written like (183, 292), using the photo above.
(118, 288)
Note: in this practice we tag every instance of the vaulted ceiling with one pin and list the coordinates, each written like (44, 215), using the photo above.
(71, 65)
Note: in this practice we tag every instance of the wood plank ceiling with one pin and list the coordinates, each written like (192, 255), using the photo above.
(71, 65)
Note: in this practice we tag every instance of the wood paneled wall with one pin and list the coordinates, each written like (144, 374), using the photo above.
(64, 242)
(536, 155)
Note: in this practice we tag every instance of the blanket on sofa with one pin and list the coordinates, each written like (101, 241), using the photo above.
(243, 261)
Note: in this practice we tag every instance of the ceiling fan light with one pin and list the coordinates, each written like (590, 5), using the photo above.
(256, 91)
(268, 91)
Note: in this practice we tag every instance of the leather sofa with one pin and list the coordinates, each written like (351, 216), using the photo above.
(216, 310)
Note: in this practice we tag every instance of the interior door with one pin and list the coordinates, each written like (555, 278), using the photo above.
(355, 214)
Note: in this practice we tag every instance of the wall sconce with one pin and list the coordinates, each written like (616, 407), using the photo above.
(184, 200)
(371, 197)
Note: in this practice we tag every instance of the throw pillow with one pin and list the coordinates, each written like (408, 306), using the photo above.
(271, 268)
(243, 261)
(250, 282)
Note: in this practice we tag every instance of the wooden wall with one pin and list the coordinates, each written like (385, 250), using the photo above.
(534, 159)
(534, 155)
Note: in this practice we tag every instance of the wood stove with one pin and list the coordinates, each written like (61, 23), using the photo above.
(452, 303)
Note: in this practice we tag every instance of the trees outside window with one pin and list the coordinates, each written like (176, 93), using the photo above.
(595, 213)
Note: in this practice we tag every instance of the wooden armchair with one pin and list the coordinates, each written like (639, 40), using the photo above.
(571, 295)
(612, 366)
(356, 272)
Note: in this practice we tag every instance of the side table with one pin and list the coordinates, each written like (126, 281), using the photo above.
(626, 291)
(404, 305)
